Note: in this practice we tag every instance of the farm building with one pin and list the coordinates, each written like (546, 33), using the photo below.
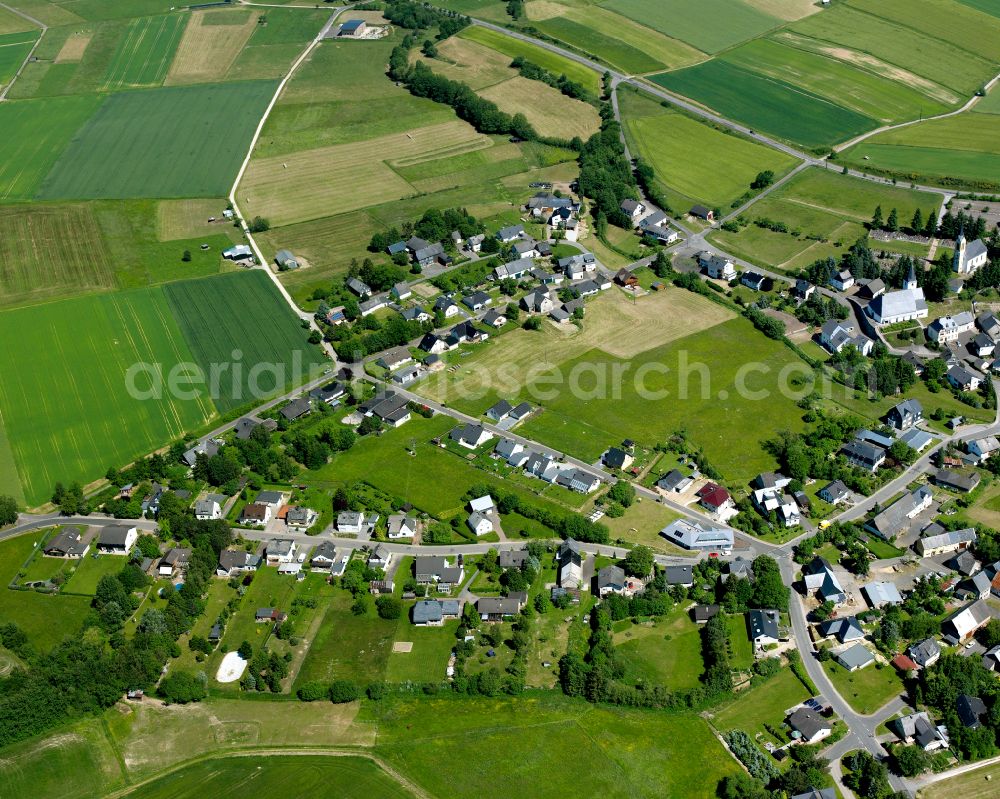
(353, 28)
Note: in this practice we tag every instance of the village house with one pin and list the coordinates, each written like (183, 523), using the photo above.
(753, 280)
(842, 280)
(819, 578)
(917, 729)
(966, 622)
(695, 534)
(434, 612)
(951, 541)
(68, 543)
(611, 580)
(117, 539)
(401, 526)
(950, 328)
(716, 266)
(438, 571)
(855, 658)
(955, 480)
(983, 448)
(715, 499)
(834, 492)
(174, 561)
(394, 358)
(480, 523)
(569, 564)
(280, 550)
(300, 519)
(236, 561)
(764, 628)
(863, 455)
(470, 435)
(701, 212)
(808, 726)
(964, 378)
(508, 234)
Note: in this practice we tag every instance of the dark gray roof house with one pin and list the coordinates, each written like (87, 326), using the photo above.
(611, 579)
(296, 409)
(763, 625)
(846, 629)
(971, 710)
(679, 575)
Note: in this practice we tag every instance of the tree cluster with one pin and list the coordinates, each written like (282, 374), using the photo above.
(565, 525)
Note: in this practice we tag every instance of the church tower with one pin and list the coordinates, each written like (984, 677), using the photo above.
(911, 279)
(958, 261)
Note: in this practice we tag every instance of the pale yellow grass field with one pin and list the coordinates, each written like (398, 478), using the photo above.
(613, 323)
(474, 64)
(331, 180)
(544, 9)
(980, 783)
(786, 9)
(161, 736)
(48, 13)
(548, 110)
(186, 219)
(14, 23)
(672, 52)
(74, 47)
(206, 52)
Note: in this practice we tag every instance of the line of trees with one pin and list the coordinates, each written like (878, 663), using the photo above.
(606, 174)
(570, 88)
(565, 525)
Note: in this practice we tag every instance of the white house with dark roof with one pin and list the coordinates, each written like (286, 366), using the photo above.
(905, 415)
(946, 329)
(897, 517)
(117, 539)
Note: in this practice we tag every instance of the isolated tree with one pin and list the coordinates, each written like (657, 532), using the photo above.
(917, 225)
(930, 226)
(8, 510)
(186, 256)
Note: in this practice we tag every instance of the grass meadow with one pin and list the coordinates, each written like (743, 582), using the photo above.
(168, 142)
(765, 103)
(662, 652)
(762, 705)
(964, 147)
(711, 25)
(584, 412)
(524, 744)
(14, 48)
(867, 689)
(829, 210)
(694, 163)
(45, 618)
(145, 52)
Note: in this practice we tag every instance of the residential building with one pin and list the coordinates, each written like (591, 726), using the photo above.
(117, 539)
(617, 458)
(964, 378)
(834, 492)
(965, 622)
(905, 415)
(300, 518)
(633, 209)
(379, 557)
(983, 448)
(855, 657)
(845, 629)
(803, 289)
(836, 334)
(280, 550)
(611, 580)
(808, 726)
(68, 543)
(753, 280)
(970, 710)
(446, 307)
(819, 577)
(394, 358)
(538, 301)
(482, 504)
(236, 561)
(716, 266)
(498, 608)
(924, 653)
(296, 409)
(715, 499)
(480, 523)
(470, 435)
(401, 526)
(513, 558)
(702, 613)
(569, 563)
(863, 455)
(673, 482)
(897, 517)
(951, 541)
(508, 234)
(842, 280)
(494, 319)
(764, 627)
(174, 561)
(439, 571)
(917, 728)
(434, 612)
(679, 575)
(323, 557)
(950, 328)
(207, 448)
(702, 212)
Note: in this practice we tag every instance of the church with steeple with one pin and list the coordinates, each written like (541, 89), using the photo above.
(899, 306)
(969, 256)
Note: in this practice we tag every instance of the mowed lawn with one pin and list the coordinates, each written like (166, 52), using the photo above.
(145, 51)
(867, 689)
(240, 318)
(525, 743)
(709, 25)
(548, 110)
(90, 571)
(169, 142)
(308, 776)
(767, 104)
(692, 160)
(69, 415)
(14, 48)
(35, 133)
(763, 705)
(45, 618)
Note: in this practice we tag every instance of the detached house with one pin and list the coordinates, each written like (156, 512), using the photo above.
(842, 280)
(716, 266)
(905, 415)
(470, 435)
(715, 499)
(117, 539)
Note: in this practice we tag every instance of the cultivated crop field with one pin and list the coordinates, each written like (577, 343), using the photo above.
(694, 163)
(144, 52)
(14, 48)
(35, 134)
(243, 312)
(710, 25)
(168, 142)
(68, 415)
(766, 103)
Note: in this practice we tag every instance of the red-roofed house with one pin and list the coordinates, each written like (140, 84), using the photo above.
(904, 663)
(715, 498)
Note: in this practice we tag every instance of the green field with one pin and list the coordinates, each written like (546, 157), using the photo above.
(45, 618)
(244, 313)
(709, 25)
(68, 416)
(963, 148)
(170, 142)
(827, 209)
(14, 48)
(524, 744)
(766, 103)
(866, 93)
(145, 52)
(90, 571)
(306, 776)
(694, 163)
(429, 657)
(35, 134)
(929, 56)
(763, 705)
(867, 689)
(664, 652)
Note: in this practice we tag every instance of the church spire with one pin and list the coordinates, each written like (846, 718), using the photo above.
(911, 277)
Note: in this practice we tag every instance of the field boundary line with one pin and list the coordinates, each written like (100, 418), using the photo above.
(279, 751)
(336, 12)
(31, 52)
